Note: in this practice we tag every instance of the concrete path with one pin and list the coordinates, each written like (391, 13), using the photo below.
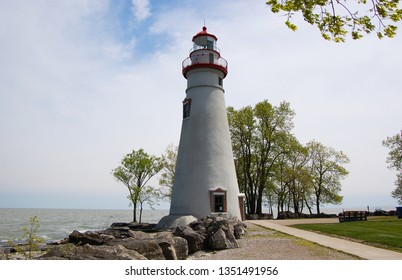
(354, 248)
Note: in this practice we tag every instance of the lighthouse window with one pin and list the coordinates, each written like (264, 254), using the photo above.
(210, 44)
(218, 201)
(220, 81)
(211, 58)
(186, 108)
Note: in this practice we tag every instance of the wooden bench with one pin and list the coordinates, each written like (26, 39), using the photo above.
(352, 216)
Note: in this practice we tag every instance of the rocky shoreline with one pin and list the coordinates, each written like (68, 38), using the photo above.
(132, 241)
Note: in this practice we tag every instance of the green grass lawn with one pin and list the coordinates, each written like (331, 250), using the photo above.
(384, 232)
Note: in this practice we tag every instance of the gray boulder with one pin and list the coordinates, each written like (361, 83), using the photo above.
(91, 252)
(221, 234)
(148, 248)
(239, 229)
(173, 247)
(2, 254)
(125, 233)
(89, 237)
(195, 240)
(221, 240)
(180, 246)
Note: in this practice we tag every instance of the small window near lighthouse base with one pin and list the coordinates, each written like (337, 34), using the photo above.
(186, 108)
(218, 200)
(218, 203)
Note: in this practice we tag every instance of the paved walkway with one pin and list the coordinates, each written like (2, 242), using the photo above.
(354, 248)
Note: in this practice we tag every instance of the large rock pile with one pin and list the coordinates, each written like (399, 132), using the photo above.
(127, 241)
(211, 233)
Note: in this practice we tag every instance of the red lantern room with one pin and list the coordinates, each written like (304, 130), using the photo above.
(205, 54)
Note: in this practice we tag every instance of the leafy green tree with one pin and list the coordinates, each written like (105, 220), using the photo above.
(169, 159)
(30, 234)
(298, 176)
(327, 172)
(272, 140)
(394, 144)
(242, 128)
(336, 18)
(292, 179)
(135, 170)
(280, 185)
(273, 167)
(397, 193)
(259, 137)
(394, 160)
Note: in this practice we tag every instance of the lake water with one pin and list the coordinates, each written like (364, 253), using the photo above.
(56, 224)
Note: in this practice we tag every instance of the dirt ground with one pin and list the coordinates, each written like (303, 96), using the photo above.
(264, 244)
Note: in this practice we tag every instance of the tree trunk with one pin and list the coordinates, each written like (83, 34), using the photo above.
(271, 210)
(140, 221)
(318, 205)
(295, 203)
(309, 208)
(318, 197)
(252, 205)
(279, 210)
(252, 198)
(135, 212)
(259, 200)
(249, 202)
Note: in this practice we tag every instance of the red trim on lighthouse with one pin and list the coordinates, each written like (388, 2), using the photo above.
(204, 33)
(224, 70)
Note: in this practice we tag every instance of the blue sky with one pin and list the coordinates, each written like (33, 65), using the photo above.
(82, 83)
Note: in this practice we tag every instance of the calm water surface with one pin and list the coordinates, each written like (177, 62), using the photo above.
(56, 224)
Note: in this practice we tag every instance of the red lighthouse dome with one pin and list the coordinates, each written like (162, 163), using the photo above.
(204, 33)
(205, 54)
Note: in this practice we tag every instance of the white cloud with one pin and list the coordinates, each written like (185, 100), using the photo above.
(141, 9)
(120, 50)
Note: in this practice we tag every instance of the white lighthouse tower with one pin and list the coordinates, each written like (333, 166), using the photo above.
(205, 180)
